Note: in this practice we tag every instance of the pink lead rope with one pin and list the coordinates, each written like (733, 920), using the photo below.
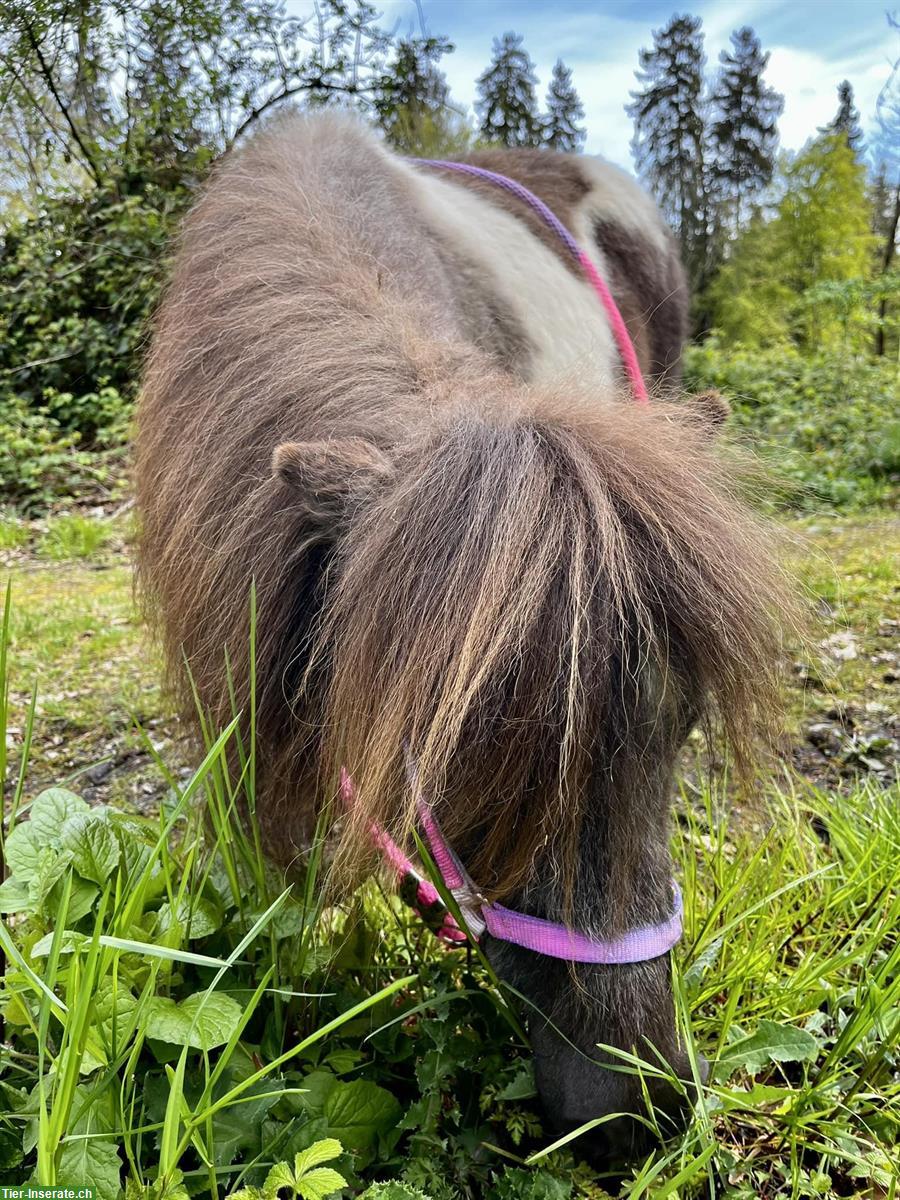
(596, 280)
(521, 929)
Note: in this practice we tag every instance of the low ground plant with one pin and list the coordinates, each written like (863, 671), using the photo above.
(826, 425)
(181, 1020)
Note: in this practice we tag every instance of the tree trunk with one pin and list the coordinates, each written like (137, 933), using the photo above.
(890, 246)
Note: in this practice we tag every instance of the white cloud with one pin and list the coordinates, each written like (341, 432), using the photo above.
(809, 83)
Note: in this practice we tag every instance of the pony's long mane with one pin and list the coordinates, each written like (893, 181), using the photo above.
(506, 579)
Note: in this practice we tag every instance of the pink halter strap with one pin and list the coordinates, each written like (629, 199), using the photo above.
(521, 929)
(598, 283)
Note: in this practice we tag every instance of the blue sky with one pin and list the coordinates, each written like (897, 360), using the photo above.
(814, 44)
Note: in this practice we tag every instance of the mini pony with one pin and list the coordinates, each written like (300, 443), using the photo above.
(384, 394)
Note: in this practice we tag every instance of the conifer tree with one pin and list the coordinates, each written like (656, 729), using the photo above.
(669, 138)
(564, 111)
(846, 120)
(506, 106)
(412, 92)
(744, 130)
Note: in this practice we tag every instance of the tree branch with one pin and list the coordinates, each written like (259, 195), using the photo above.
(317, 85)
(47, 76)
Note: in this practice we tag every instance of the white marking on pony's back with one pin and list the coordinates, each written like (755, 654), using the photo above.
(559, 312)
(616, 197)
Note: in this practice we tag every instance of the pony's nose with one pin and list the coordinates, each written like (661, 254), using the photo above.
(575, 1090)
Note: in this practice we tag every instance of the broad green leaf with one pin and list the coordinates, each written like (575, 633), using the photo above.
(51, 810)
(521, 1086)
(204, 917)
(342, 1060)
(757, 1098)
(317, 1086)
(280, 1176)
(518, 1184)
(14, 896)
(316, 1154)
(95, 1161)
(92, 844)
(113, 1010)
(50, 866)
(239, 1127)
(319, 1183)
(201, 1021)
(70, 940)
(772, 1042)
(11, 1153)
(358, 1112)
(288, 922)
(23, 852)
(81, 899)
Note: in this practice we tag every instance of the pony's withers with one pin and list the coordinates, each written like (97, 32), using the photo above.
(464, 539)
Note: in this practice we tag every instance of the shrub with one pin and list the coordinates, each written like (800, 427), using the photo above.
(826, 425)
(78, 282)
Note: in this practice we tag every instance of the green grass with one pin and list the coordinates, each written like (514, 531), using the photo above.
(177, 1019)
(14, 533)
(73, 536)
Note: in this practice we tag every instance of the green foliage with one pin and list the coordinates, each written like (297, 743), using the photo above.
(177, 1021)
(77, 286)
(820, 235)
(72, 535)
(826, 425)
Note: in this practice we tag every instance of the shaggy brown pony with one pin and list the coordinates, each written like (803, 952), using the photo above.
(385, 396)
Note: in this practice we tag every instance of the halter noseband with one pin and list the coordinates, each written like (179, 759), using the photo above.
(521, 929)
(532, 933)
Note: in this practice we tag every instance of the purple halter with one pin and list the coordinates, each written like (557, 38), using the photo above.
(532, 933)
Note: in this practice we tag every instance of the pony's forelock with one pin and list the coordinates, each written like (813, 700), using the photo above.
(507, 607)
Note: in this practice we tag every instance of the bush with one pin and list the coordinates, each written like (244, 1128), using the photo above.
(78, 283)
(826, 425)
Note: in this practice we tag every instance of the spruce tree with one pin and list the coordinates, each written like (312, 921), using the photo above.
(506, 106)
(412, 92)
(564, 111)
(744, 130)
(669, 136)
(846, 120)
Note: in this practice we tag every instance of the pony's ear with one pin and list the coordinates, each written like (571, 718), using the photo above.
(710, 409)
(326, 475)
